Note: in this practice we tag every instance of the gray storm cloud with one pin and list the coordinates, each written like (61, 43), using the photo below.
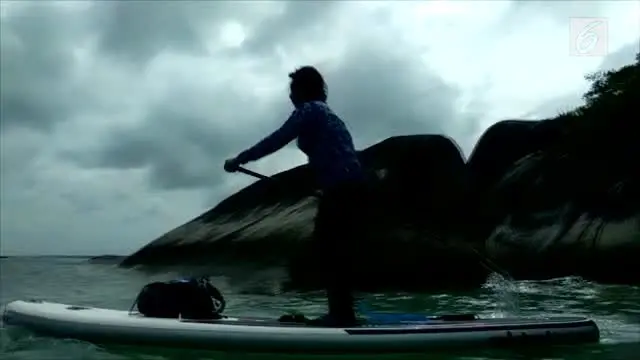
(378, 88)
(116, 116)
(36, 63)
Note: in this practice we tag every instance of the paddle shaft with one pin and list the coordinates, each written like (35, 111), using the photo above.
(253, 173)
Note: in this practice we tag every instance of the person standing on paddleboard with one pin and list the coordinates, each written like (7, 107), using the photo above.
(340, 176)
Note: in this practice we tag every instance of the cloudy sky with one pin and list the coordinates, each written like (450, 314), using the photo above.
(117, 116)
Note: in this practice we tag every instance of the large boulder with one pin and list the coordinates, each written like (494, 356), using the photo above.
(565, 200)
(499, 148)
(414, 229)
(559, 220)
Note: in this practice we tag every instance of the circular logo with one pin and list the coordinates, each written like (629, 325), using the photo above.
(587, 39)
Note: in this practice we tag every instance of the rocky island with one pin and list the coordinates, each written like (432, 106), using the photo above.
(536, 199)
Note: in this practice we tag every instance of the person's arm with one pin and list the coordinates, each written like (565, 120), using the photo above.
(276, 140)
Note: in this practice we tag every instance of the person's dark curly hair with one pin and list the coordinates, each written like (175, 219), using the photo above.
(307, 84)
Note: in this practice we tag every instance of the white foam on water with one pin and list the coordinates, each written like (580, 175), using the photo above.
(506, 291)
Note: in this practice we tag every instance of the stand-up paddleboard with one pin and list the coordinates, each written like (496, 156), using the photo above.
(263, 334)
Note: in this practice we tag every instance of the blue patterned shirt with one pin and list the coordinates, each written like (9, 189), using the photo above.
(322, 136)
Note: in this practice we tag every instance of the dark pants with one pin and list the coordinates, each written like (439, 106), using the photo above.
(338, 225)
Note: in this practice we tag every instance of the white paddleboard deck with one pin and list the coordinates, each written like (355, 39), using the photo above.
(263, 334)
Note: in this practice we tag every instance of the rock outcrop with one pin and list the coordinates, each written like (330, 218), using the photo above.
(496, 152)
(541, 199)
(572, 206)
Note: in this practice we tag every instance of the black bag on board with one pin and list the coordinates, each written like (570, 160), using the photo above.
(191, 298)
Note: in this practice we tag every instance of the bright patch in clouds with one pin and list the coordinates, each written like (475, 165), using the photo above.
(232, 34)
